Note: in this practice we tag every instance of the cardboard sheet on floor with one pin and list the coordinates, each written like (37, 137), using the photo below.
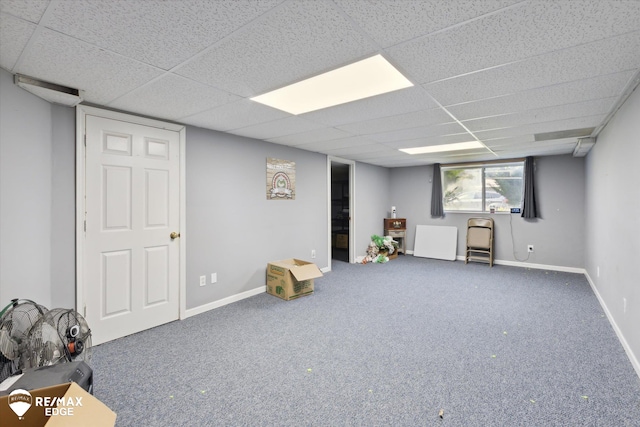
(436, 241)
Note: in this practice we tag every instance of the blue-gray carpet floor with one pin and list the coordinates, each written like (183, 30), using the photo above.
(383, 345)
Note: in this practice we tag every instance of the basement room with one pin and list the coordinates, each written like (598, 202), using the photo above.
(319, 213)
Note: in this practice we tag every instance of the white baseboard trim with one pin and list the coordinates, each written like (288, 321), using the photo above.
(632, 357)
(577, 270)
(535, 266)
(224, 301)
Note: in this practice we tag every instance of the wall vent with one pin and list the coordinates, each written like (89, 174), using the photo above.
(51, 92)
(583, 146)
(563, 134)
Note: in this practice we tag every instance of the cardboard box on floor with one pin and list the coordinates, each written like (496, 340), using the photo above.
(342, 241)
(291, 278)
(62, 405)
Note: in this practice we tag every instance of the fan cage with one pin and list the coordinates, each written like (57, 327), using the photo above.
(63, 320)
(16, 320)
(32, 336)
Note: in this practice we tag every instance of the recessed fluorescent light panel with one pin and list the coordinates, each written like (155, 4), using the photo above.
(362, 79)
(444, 147)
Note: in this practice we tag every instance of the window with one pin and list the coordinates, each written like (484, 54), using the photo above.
(482, 187)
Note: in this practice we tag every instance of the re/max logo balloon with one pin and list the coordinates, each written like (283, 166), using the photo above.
(21, 400)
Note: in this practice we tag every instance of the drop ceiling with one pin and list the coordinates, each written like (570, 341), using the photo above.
(495, 71)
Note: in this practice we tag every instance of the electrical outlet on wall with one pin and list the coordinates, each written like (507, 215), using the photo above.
(214, 277)
(313, 253)
(203, 280)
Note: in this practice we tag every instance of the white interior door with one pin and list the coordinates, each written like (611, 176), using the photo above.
(131, 262)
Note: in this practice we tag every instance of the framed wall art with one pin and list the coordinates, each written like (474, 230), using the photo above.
(281, 179)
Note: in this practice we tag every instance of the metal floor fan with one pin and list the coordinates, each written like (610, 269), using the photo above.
(16, 321)
(74, 332)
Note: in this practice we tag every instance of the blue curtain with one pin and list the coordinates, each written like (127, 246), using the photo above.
(529, 210)
(436, 193)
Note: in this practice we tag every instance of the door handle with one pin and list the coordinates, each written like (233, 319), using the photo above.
(174, 235)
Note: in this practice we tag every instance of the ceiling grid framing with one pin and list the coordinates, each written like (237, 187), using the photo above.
(494, 71)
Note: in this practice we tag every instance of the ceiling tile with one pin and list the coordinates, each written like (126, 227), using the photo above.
(168, 33)
(559, 112)
(520, 143)
(336, 144)
(459, 153)
(533, 150)
(60, 59)
(590, 60)
(525, 146)
(300, 39)
(276, 128)
(462, 157)
(18, 32)
(235, 115)
(509, 141)
(552, 126)
(354, 150)
(528, 30)
(564, 93)
(431, 140)
(399, 163)
(389, 104)
(388, 154)
(390, 22)
(430, 117)
(314, 136)
(420, 132)
(29, 10)
(188, 97)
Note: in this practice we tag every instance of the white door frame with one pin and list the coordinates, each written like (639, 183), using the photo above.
(81, 112)
(352, 204)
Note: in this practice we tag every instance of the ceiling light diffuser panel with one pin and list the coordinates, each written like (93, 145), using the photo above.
(363, 79)
(444, 148)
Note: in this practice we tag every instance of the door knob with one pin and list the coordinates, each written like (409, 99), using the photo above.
(174, 235)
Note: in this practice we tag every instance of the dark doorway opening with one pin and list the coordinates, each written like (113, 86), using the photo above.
(340, 215)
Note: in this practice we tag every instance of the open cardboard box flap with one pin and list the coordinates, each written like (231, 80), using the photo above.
(306, 272)
(301, 270)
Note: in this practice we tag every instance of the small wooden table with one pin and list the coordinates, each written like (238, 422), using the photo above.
(397, 229)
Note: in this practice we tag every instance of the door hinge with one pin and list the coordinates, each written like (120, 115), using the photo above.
(85, 139)
(84, 311)
(85, 225)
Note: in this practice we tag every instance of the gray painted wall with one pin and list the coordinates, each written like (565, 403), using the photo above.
(558, 236)
(232, 229)
(63, 207)
(37, 198)
(372, 203)
(613, 219)
(25, 194)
